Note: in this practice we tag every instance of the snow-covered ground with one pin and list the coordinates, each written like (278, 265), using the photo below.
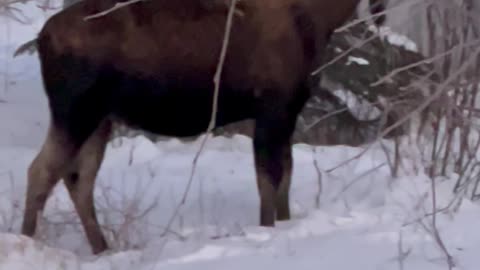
(364, 219)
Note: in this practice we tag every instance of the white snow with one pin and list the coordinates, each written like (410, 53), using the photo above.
(357, 60)
(361, 108)
(219, 221)
(363, 218)
(394, 38)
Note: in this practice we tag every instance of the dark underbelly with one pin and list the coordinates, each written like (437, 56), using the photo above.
(179, 109)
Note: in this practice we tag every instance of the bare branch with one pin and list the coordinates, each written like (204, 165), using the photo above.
(402, 254)
(356, 179)
(345, 53)
(112, 9)
(211, 126)
(436, 233)
(319, 177)
(366, 18)
(424, 61)
(442, 88)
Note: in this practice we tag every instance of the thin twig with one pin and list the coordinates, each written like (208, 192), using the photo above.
(377, 14)
(211, 125)
(112, 9)
(343, 54)
(435, 232)
(353, 23)
(319, 177)
(356, 179)
(424, 61)
(402, 254)
(345, 162)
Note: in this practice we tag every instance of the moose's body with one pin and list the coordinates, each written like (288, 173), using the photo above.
(152, 63)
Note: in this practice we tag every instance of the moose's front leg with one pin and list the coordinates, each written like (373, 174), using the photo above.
(273, 163)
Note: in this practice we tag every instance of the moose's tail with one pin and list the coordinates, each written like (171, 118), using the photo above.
(28, 47)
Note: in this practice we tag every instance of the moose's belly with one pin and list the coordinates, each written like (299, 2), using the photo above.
(179, 110)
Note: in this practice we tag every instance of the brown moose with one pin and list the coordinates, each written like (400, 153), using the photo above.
(151, 64)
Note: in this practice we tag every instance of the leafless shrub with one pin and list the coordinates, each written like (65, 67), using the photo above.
(450, 120)
(445, 127)
(124, 217)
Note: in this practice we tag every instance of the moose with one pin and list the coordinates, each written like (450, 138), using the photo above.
(150, 64)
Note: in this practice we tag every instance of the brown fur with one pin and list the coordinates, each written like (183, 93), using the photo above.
(143, 63)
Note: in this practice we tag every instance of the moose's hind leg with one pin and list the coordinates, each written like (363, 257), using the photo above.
(44, 173)
(80, 182)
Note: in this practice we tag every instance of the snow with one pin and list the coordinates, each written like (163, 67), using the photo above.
(357, 60)
(24, 108)
(361, 108)
(364, 219)
(361, 216)
(394, 38)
